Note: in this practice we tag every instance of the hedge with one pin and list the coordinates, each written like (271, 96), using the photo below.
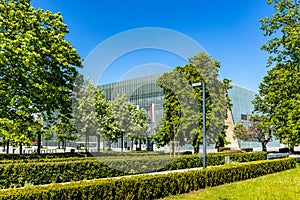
(36, 173)
(150, 186)
(42, 156)
(75, 154)
(82, 156)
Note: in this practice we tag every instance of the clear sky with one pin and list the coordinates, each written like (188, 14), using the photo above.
(227, 30)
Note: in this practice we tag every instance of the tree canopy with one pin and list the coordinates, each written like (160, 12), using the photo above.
(279, 92)
(182, 117)
(38, 66)
(131, 121)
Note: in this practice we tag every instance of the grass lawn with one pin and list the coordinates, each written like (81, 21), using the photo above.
(282, 186)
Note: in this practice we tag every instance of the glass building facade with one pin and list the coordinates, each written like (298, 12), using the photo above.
(241, 99)
(144, 93)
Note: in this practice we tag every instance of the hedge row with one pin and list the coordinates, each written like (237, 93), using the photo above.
(18, 174)
(150, 186)
(75, 154)
(40, 156)
(239, 157)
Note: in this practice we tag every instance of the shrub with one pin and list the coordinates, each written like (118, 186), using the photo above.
(57, 171)
(74, 155)
(283, 150)
(247, 149)
(150, 186)
(223, 149)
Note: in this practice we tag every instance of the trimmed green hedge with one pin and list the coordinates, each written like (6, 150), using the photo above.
(239, 157)
(75, 155)
(36, 173)
(150, 186)
(247, 149)
(41, 156)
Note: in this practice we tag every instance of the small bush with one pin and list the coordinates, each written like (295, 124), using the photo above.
(221, 149)
(186, 153)
(283, 150)
(247, 149)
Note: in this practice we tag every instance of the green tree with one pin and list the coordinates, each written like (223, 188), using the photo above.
(131, 122)
(84, 108)
(178, 98)
(221, 140)
(21, 132)
(107, 124)
(37, 65)
(279, 96)
(140, 126)
(64, 131)
(183, 114)
(47, 134)
(257, 127)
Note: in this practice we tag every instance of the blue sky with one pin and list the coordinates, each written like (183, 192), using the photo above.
(227, 30)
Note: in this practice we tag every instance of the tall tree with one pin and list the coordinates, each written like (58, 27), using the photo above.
(84, 109)
(183, 114)
(37, 65)
(169, 125)
(64, 130)
(107, 124)
(279, 92)
(130, 121)
(138, 132)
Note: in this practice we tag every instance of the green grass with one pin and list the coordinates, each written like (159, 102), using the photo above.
(282, 186)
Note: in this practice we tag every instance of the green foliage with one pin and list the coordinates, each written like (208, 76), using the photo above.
(247, 149)
(37, 65)
(257, 127)
(223, 149)
(10, 131)
(84, 109)
(265, 187)
(151, 186)
(182, 117)
(107, 124)
(46, 171)
(279, 97)
(131, 121)
(41, 156)
(64, 130)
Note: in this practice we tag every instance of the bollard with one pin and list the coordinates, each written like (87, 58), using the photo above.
(227, 160)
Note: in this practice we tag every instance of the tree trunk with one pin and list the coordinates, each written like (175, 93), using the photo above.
(196, 150)
(109, 145)
(64, 145)
(264, 146)
(140, 144)
(39, 142)
(122, 135)
(7, 148)
(20, 148)
(172, 147)
(86, 142)
(98, 143)
(4, 144)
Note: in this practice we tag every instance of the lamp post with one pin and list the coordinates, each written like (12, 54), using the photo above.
(204, 119)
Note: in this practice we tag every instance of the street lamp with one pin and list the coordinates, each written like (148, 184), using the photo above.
(204, 119)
